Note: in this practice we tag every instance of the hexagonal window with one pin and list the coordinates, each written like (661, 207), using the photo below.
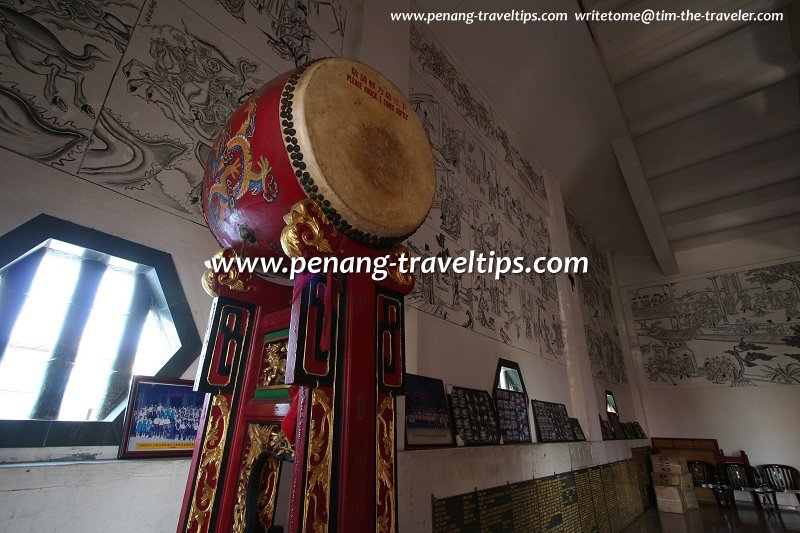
(81, 313)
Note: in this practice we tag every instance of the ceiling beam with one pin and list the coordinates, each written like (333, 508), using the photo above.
(757, 166)
(733, 203)
(738, 232)
(707, 78)
(631, 49)
(631, 168)
(756, 118)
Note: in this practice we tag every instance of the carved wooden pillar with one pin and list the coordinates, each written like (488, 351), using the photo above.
(346, 346)
(237, 457)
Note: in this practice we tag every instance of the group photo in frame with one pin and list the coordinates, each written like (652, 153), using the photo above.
(428, 422)
(162, 418)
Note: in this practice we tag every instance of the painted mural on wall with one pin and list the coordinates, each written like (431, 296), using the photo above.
(735, 329)
(429, 56)
(57, 59)
(130, 94)
(594, 288)
(482, 204)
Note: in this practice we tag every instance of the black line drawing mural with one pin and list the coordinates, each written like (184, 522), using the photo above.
(181, 78)
(721, 329)
(434, 63)
(57, 59)
(126, 157)
(89, 18)
(291, 27)
(26, 129)
(192, 81)
(479, 206)
(447, 143)
(291, 34)
(594, 288)
(38, 50)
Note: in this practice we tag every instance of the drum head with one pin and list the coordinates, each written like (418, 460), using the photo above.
(364, 148)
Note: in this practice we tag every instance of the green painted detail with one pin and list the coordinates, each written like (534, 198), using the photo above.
(276, 335)
(272, 394)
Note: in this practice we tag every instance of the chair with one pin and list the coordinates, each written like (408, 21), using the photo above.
(781, 478)
(705, 476)
(746, 478)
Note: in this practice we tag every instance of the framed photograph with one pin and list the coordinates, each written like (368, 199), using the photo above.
(616, 426)
(605, 428)
(627, 430)
(427, 416)
(552, 422)
(162, 418)
(512, 411)
(474, 416)
(576, 429)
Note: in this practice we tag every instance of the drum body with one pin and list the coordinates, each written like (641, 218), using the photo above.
(335, 132)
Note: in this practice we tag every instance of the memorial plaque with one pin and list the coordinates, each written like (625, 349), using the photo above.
(526, 508)
(571, 512)
(548, 495)
(496, 510)
(474, 416)
(583, 485)
(610, 490)
(599, 500)
(512, 412)
(456, 514)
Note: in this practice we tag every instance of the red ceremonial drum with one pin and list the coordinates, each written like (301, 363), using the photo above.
(334, 131)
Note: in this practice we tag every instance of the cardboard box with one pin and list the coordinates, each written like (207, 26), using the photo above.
(683, 481)
(672, 499)
(669, 464)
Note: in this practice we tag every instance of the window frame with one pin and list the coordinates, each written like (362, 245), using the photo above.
(61, 433)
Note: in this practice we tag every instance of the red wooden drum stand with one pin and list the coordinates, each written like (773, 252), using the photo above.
(322, 358)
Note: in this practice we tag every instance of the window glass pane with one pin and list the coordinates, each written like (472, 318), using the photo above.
(98, 348)
(155, 346)
(611, 405)
(35, 332)
(24, 364)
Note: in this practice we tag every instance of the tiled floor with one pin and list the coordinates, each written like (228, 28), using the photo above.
(715, 519)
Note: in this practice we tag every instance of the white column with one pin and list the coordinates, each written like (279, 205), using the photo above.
(579, 370)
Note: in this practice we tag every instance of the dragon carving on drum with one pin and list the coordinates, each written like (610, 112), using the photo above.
(235, 173)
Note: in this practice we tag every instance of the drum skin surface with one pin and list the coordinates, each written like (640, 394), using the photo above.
(334, 131)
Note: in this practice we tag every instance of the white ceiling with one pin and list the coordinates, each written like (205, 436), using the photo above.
(663, 137)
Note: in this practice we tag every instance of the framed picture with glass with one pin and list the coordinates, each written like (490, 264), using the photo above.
(428, 421)
(162, 418)
(511, 401)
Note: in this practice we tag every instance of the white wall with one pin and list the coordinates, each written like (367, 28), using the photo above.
(92, 497)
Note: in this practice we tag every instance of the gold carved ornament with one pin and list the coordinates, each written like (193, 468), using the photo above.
(260, 438)
(319, 460)
(231, 279)
(384, 455)
(401, 278)
(205, 485)
(305, 226)
(273, 363)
